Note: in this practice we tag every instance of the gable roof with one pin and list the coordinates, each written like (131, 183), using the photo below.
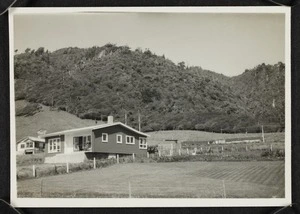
(36, 139)
(95, 128)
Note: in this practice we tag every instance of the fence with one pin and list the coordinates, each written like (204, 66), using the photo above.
(130, 189)
(41, 170)
(169, 150)
(166, 153)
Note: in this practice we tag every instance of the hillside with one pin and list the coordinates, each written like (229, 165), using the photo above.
(262, 91)
(95, 82)
(46, 119)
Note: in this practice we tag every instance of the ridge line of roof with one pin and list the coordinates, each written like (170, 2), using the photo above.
(95, 127)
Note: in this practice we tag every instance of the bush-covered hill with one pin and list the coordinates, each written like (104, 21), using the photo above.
(95, 82)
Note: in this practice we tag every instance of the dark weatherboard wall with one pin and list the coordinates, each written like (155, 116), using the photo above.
(112, 146)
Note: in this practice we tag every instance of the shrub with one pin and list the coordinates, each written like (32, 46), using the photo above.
(152, 149)
(61, 169)
(24, 173)
(45, 171)
(30, 159)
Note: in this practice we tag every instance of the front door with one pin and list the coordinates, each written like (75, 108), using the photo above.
(77, 144)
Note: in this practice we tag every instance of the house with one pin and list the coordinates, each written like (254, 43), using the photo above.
(105, 140)
(30, 145)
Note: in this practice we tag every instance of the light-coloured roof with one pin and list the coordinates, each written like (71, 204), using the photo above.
(32, 138)
(95, 128)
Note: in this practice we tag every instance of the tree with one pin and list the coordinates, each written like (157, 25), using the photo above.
(181, 65)
(39, 51)
(27, 50)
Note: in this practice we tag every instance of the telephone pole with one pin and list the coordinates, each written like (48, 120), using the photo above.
(125, 117)
(139, 115)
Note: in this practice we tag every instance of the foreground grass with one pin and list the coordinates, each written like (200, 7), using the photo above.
(165, 180)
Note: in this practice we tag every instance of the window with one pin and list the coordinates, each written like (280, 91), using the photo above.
(119, 138)
(104, 137)
(22, 146)
(130, 140)
(143, 143)
(54, 145)
(29, 145)
(82, 143)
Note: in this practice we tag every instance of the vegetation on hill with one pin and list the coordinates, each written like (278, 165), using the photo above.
(95, 82)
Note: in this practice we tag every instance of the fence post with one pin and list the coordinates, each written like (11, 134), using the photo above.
(41, 187)
(179, 151)
(222, 148)
(67, 167)
(94, 163)
(187, 151)
(201, 149)
(159, 153)
(224, 190)
(118, 160)
(246, 148)
(148, 155)
(129, 189)
(33, 171)
(133, 156)
(271, 147)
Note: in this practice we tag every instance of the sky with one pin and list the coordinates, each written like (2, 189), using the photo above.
(223, 43)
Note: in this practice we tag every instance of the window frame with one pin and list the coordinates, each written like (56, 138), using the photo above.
(104, 141)
(54, 142)
(121, 141)
(85, 140)
(143, 145)
(22, 146)
(130, 139)
(29, 145)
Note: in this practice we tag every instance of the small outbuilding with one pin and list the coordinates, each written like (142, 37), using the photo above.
(30, 145)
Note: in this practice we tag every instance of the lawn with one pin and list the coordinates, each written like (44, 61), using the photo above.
(263, 179)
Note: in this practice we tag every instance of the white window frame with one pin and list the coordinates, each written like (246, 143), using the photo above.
(57, 143)
(119, 135)
(22, 144)
(30, 145)
(143, 145)
(104, 141)
(131, 138)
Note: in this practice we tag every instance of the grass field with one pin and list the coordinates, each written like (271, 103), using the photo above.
(159, 137)
(165, 180)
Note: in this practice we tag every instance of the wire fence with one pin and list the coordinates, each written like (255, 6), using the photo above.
(131, 189)
(47, 188)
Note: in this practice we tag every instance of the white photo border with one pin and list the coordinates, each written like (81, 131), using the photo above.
(157, 202)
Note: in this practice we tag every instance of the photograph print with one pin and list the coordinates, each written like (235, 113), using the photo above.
(136, 105)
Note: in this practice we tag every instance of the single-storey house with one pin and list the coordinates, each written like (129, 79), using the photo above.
(105, 140)
(30, 145)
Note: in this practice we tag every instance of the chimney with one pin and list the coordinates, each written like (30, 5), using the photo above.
(110, 119)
